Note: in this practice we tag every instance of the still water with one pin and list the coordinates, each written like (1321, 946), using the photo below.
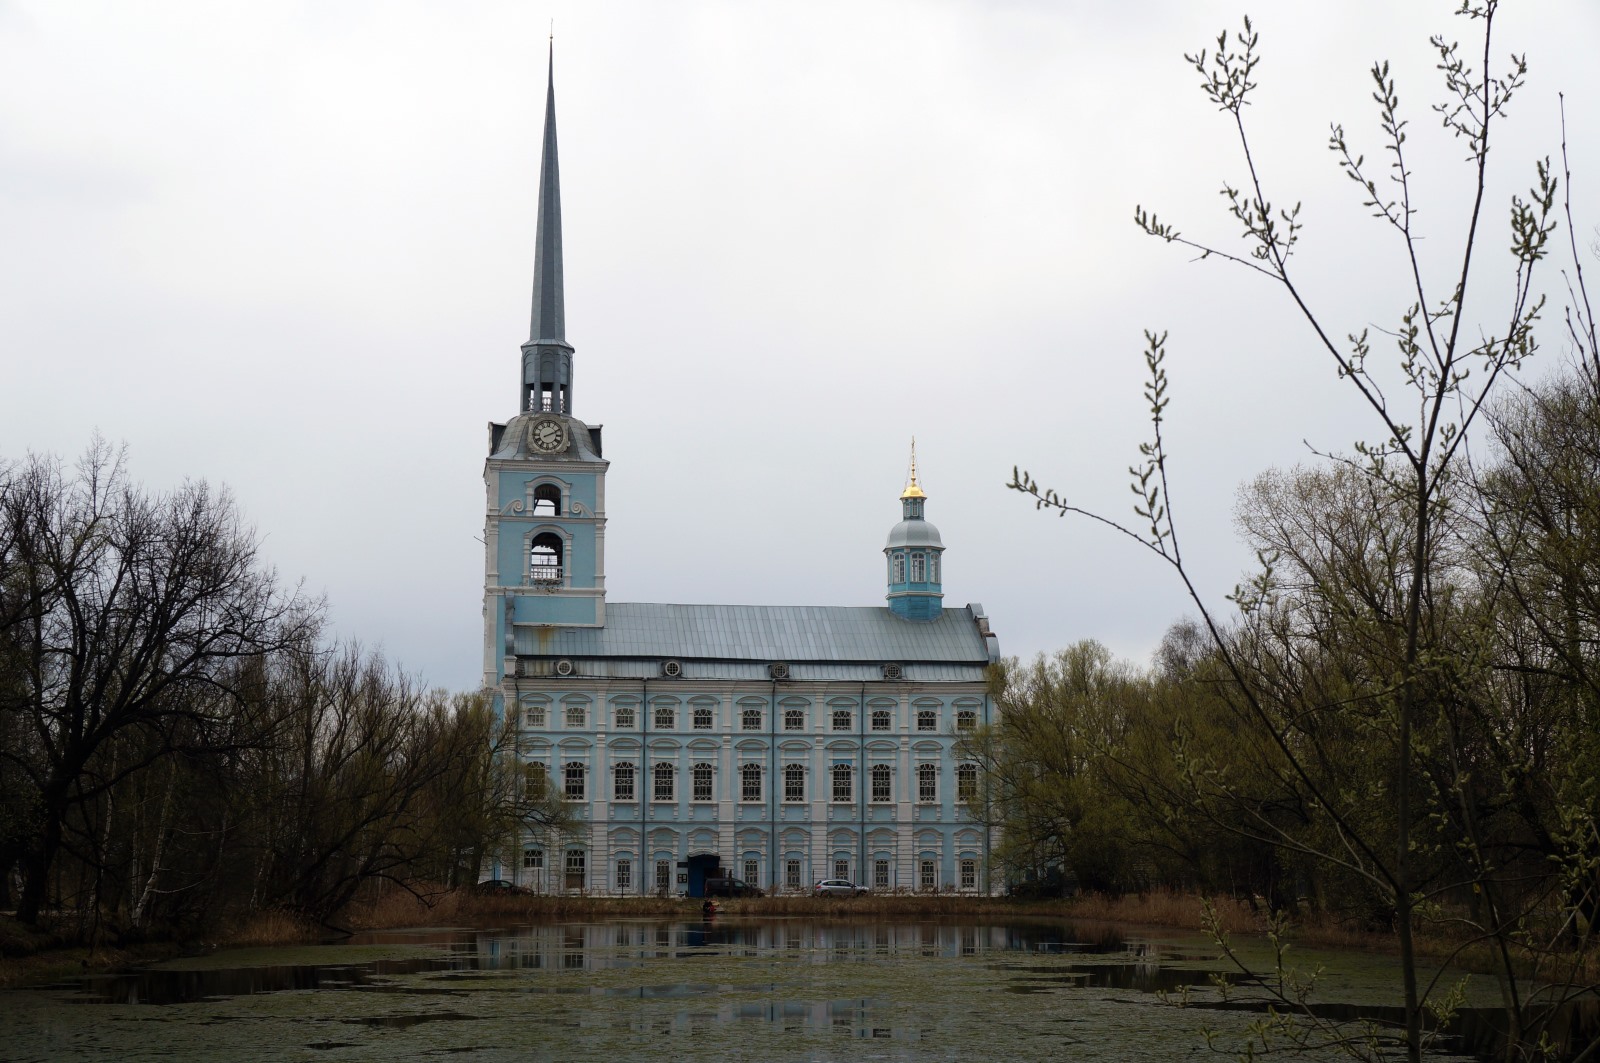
(729, 989)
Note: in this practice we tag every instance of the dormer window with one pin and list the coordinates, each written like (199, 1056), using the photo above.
(544, 558)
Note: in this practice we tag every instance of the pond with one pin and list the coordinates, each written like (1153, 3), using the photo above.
(728, 989)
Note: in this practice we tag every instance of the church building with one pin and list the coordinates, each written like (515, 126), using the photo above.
(779, 744)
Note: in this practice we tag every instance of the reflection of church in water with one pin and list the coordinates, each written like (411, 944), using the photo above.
(779, 744)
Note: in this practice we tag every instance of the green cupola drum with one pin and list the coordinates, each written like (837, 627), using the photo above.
(914, 553)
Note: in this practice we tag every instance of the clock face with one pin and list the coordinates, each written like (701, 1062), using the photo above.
(548, 434)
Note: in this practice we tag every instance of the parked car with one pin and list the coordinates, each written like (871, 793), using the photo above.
(498, 887)
(728, 886)
(837, 887)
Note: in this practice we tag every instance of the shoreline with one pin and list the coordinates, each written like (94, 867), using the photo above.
(32, 958)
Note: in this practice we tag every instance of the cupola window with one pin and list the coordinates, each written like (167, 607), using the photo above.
(919, 567)
(899, 568)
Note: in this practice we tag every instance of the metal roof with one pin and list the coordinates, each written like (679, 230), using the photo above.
(767, 633)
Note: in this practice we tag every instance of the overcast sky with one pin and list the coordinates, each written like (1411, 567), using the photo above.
(288, 247)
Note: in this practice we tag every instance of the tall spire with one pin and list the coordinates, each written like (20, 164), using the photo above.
(912, 490)
(547, 357)
(549, 310)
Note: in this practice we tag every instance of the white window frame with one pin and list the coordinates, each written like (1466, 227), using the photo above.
(882, 778)
(747, 791)
(843, 779)
(702, 783)
(624, 774)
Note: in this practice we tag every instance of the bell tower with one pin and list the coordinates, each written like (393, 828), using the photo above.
(544, 525)
(915, 556)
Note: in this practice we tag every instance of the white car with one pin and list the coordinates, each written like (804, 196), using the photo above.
(837, 887)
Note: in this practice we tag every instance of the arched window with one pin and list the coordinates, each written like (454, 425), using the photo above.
(919, 567)
(622, 782)
(966, 782)
(933, 567)
(577, 715)
(750, 782)
(750, 719)
(882, 720)
(966, 720)
(625, 718)
(882, 783)
(841, 719)
(794, 782)
(927, 783)
(544, 558)
(534, 781)
(573, 782)
(794, 719)
(842, 790)
(899, 568)
(666, 717)
(547, 500)
(700, 781)
(927, 720)
(703, 718)
(663, 782)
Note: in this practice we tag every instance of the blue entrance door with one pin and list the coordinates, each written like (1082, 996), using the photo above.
(700, 869)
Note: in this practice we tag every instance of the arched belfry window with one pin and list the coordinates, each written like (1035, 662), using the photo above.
(544, 558)
(547, 500)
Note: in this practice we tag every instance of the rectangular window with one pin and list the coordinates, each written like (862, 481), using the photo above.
(700, 776)
(882, 787)
(624, 875)
(577, 716)
(842, 790)
(882, 719)
(791, 874)
(841, 869)
(880, 874)
(703, 718)
(750, 719)
(794, 719)
(533, 859)
(622, 782)
(794, 782)
(575, 876)
(750, 782)
(841, 719)
(966, 783)
(927, 783)
(663, 782)
(626, 719)
(533, 716)
(927, 720)
(666, 718)
(925, 876)
(969, 874)
(573, 778)
(663, 876)
(752, 871)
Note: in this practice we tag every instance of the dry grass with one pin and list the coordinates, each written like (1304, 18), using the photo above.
(273, 927)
